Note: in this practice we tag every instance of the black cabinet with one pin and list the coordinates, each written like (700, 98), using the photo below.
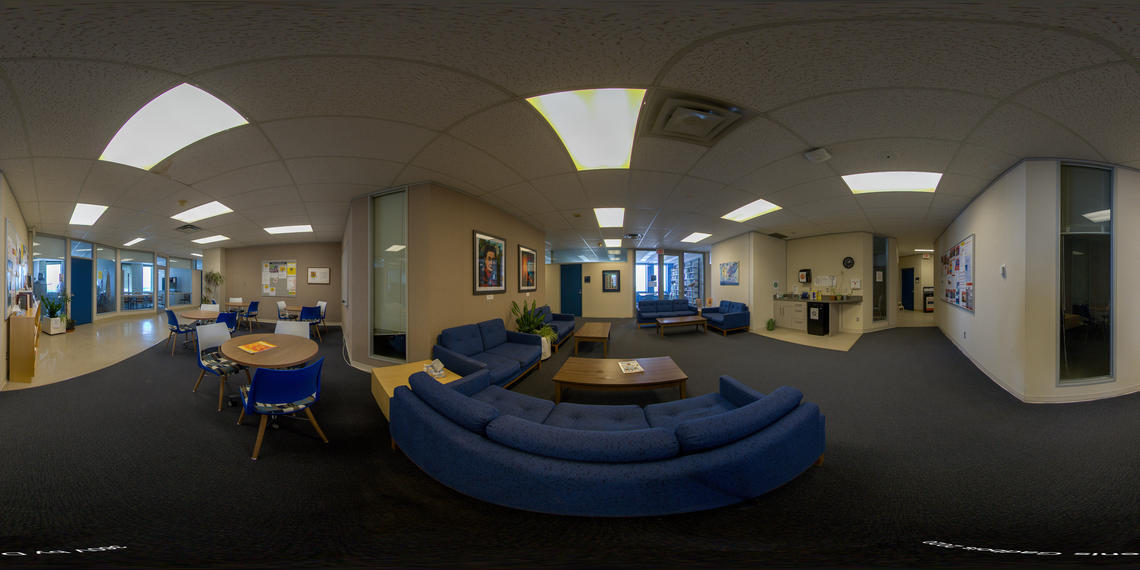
(817, 318)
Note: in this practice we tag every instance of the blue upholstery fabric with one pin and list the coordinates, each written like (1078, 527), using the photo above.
(464, 339)
(546, 314)
(217, 364)
(714, 431)
(464, 411)
(728, 315)
(736, 392)
(503, 368)
(515, 404)
(471, 384)
(277, 408)
(456, 362)
(649, 310)
(669, 414)
(524, 354)
(598, 418)
(603, 447)
(494, 333)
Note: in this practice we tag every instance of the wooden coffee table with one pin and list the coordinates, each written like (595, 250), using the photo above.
(605, 374)
(385, 380)
(680, 322)
(593, 332)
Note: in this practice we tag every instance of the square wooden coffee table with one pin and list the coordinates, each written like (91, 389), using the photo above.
(680, 322)
(605, 374)
(593, 332)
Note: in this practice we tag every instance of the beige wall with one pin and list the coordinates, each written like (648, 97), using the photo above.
(554, 286)
(739, 249)
(242, 273)
(824, 256)
(10, 210)
(595, 303)
(769, 265)
(923, 270)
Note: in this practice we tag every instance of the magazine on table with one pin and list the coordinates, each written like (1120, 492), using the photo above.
(256, 347)
(630, 366)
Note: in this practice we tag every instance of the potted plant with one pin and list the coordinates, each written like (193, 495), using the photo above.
(211, 280)
(70, 323)
(51, 322)
(529, 320)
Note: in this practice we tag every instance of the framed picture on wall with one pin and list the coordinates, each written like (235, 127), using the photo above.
(488, 263)
(318, 275)
(611, 281)
(528, 269)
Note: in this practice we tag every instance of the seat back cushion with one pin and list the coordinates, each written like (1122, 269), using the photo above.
(679, 305)
(547, 316)
(472, 414)
(714, 431)
(472, 383)
(650, 444)
(494, 333)
(464, 339)
(649, 306)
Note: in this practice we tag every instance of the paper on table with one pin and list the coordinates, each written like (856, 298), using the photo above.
(630, 366)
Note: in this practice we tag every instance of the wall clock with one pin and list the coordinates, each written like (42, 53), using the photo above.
(848, 262)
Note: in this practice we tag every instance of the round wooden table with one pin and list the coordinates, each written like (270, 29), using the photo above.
(289, 350)
(197, 315)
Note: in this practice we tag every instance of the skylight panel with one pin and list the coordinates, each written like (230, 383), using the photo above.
(897, 181)
(596, 125)
(210, 239)
(86, 214)
(751, 210)
(170, 122)
(133, 242)
(290, 229)
(695, 237)
(207, 210)
(610, 217)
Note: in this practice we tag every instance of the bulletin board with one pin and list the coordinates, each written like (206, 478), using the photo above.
(16, 270)
(958, 274)
(278, 278)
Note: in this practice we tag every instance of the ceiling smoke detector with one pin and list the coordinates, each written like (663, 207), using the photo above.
(817, 155)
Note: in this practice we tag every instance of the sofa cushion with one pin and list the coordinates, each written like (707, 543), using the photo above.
(494, 333)
(472, 383)
(714, 431)
(524, 354)
(515, 404)
(595, 417)
(465, 339)
(464, 411)
(649, 306)
(547, 315)
(563, 328)
(715, 317)
(502, 368)
(680, 305)
(669, 414)
(732, 307)
(736, 392)
(649, 444)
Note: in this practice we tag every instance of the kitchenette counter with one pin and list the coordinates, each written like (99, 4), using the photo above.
(843, 301)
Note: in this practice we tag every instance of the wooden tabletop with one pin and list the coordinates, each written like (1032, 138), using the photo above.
(686, 320)
(385, 380)
(198, 315)
(593, 330)
(289, 350)
(605, 372)
(245, 304)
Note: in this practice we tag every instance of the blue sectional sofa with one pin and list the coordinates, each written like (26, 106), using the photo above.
(506, 355)
(729, 316)
(561, 323)
(648, 311)
(526, 453)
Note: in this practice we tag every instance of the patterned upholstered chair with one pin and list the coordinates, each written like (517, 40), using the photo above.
(210, 358)
(274, 392)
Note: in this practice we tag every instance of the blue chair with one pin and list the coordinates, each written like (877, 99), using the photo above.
(274, 392)
(312, 316)
(228, 318)
(210, 358)
(251, 315)
(176, 329)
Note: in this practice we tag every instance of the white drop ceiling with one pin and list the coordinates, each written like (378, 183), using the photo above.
(345, 99)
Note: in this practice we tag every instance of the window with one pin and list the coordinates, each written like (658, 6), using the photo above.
(105, 297)
(181, 287)
(1086, 274)
(694, 278)
(644, 275)
(48, 273)
(389, 275)
(879, 286)
(138, 278)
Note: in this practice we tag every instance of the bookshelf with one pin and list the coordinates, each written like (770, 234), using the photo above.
(23, 343)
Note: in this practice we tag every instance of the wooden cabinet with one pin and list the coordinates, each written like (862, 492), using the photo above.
(790, 314)
(23, 344)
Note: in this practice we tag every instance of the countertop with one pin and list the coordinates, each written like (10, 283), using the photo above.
(843, 301)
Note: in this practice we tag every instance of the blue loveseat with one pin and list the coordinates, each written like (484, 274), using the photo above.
(729, 316)
(561, 323)
(649, 310)
(506, 355)
(517, 451)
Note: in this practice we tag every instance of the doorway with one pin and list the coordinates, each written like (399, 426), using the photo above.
(82, 307)
(572, 289)
(906, 295)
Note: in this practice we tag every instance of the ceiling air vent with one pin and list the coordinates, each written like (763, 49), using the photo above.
(188, 229)
(689, 119)
(632, 236)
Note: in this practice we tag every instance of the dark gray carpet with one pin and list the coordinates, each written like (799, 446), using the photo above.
(920, 447)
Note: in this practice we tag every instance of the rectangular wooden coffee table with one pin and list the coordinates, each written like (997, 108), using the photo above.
(680, 322)
(593, 332)
(605, 374)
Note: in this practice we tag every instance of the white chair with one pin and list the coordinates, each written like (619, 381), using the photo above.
(235, 300)
(282, 314)
(323, 305)
(239, 311)
(210, 358)
(295, 328)
(209, 307)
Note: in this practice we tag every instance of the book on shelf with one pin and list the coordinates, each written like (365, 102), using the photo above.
(630, 366)
(256, 347)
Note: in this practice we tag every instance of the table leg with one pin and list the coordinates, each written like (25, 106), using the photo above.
(681, 386)
(575, 346)
(558, 390)
(605, 347)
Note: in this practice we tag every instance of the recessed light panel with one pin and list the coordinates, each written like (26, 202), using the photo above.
(610, 217)
(898, 181)
(202, 212)
(751, 210)
(134, 241)
(1098, 217)
(695, 237)
(612, 242)
(170, 122)
(86, 214)
(924, 251)
(596, 125)
(196, 254)
(210, 239)
(290, 229)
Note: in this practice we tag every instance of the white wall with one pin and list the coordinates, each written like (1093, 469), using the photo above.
(10, 210)
(769, 265)
(554, 286)
(1126, 320)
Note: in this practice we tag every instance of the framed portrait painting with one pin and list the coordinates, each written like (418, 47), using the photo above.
(490, 269)
(611, 281)
(528, 269)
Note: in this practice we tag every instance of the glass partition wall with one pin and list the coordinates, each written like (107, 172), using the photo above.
(669, 275)
(105, 291)
(138, 280)
(181, 288)
(389, 275)
(1085, 274)
(48, 270)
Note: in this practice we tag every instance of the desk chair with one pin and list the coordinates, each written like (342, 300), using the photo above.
(210, 358)
(295, 328)
(236, 310)
(228, 318)
(251, 315)
(282, 314)
(312, 317)
(324, 307)
(274, 392)
(176, 329)
(210, 307)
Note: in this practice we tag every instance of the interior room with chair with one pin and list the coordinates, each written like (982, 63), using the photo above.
(590, 284)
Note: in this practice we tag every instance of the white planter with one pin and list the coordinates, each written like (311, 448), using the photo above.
(545, 348)
(55, 325)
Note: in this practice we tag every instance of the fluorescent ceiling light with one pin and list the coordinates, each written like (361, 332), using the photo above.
(900, 181)
(925, 250)
(1099, 216)
(612, 242)
(290, 229)
(751, 210)
(196, 254)
(695, 237)
(610, 217)
(210, 239)
(86, 214)
(134, 241)
(170, 122)
(202, 212)
(596, 125)
(396, 247)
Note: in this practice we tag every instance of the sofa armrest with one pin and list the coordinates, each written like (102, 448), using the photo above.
(472, 384)
(523, 338)
(736, 392)
(455, 362)
(694, 309)
(562, 317)
(710, 310)
(736, 320)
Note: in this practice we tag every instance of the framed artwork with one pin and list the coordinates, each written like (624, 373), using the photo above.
(611, 281)
(528, 269)
(487, 261)
(318, 275)
(730, 273)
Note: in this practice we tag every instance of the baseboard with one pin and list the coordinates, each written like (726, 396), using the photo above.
(362, 367)
(1012, 392)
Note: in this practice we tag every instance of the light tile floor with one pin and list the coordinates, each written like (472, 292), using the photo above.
(915, 319)
(840, 341)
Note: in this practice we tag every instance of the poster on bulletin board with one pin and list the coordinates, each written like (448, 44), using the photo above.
(17, 266)
(279, 278)
(958, 274)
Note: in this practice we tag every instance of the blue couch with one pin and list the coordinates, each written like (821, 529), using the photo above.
(506, 355)
(561, 323)
(648, 311)
(729, 316)
(688, 455)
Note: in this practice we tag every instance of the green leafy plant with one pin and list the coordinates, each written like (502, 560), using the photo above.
(211, 280)
(547, 333)
(527, 319)
(771, 324)
(53, 306)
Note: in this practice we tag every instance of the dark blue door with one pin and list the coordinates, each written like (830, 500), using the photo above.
(82, 310)
(908, 288)
(572, 290)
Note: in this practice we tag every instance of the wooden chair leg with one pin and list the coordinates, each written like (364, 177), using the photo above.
(200, 375)
(241, 416)
(168, 342)
(248, 377)
(221, 392)
(313, 420)
(819, 460)
(260, 434)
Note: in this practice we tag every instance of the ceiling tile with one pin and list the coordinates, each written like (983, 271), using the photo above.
(337, 193)
(518, 136)
(108, 181)
(465, 162)
(60, 179)
(665, 155)
(218, 154)
(21, 177)
(650, 189)
(782, 174)
(522, 196)
(605, 188)
(265, 197)
(980, 162)
(335, 170)
(13, 143)
(887, 154)
(347, 136)
(564, 191)
(266, 175)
